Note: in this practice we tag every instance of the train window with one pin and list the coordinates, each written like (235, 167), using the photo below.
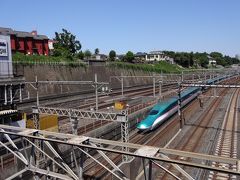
(153, 112)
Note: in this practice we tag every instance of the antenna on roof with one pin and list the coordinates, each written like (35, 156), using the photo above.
(34, 32)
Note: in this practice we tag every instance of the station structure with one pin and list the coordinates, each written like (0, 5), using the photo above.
(11, 84)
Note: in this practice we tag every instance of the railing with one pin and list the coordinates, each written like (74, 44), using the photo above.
(40, 62)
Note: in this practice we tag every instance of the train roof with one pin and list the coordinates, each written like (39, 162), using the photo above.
(163, 104)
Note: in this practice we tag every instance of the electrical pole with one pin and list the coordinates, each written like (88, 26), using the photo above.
(154, 95)
(96, 91)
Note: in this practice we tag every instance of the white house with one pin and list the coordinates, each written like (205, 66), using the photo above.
(158, 56)
(211, 61)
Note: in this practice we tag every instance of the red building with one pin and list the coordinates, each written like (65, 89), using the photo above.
(27, 43)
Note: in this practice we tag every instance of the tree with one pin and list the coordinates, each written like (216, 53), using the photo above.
(96, 51)
(66, 40)
(112, 55)
(87, 54)
(219, 58)
(129, 57)
(80, 55)
(203, 61)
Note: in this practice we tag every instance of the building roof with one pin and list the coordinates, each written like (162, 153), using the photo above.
(9, 31)
(140, 54)
(22, 34)
(156, 52)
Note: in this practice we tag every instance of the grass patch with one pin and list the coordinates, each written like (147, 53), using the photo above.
(159, 67)
(19, 58)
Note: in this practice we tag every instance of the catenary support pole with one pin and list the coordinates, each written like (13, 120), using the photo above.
(36, 123)
(150, 170)
(20, 93)
(36, 81)
(5, 95)
(179, 105)
(11, 94)
(154, 83)
(96, 91)
(122, 85)
(160, 90)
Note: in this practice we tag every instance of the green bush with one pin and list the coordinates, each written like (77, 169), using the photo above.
(40, 59)
(159, 67)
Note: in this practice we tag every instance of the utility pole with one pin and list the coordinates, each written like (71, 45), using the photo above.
(20, 93)
(122, 83)
(160, 89)
(5, 95)
(180, 105)
(154, 83)
(36, 80)
(36, 124)
(96, 91)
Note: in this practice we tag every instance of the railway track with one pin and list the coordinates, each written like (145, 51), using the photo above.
(140, 139)
(227, 139)
(194, 138)
(128, 93)
(152, 140)
(65, 124)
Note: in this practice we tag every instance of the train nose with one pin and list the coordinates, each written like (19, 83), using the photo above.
(142, 126)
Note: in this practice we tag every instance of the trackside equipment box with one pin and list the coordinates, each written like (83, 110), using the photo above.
(47, 122)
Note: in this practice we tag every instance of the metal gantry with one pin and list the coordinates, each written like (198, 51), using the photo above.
(97, 85)
(76, 115)
(154, 77)
(83, 114)
(83, 144)
(164, 79)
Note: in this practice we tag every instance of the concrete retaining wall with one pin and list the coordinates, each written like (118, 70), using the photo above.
(67, 73)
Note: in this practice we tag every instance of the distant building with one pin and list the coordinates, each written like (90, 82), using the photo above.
(101, 57)
(140, 56)
(27, 43)
(211, 61)
(238, 56)
(50, 44)
(153, 56)
(96, 60)
(119, 57)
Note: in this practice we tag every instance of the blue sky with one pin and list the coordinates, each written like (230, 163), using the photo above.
(136, 25)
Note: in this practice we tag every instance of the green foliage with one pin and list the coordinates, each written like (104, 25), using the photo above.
(80, 55)
(63, 53)
(219, 58)
(27, 58)
(87, 54)
(96, 51)
(159, 67)
(21, 58)
(182, 58)
(200, 59)
(112, 55)
(129, 57)
(65, 41)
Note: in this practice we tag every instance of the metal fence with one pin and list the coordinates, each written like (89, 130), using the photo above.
(78, 63)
